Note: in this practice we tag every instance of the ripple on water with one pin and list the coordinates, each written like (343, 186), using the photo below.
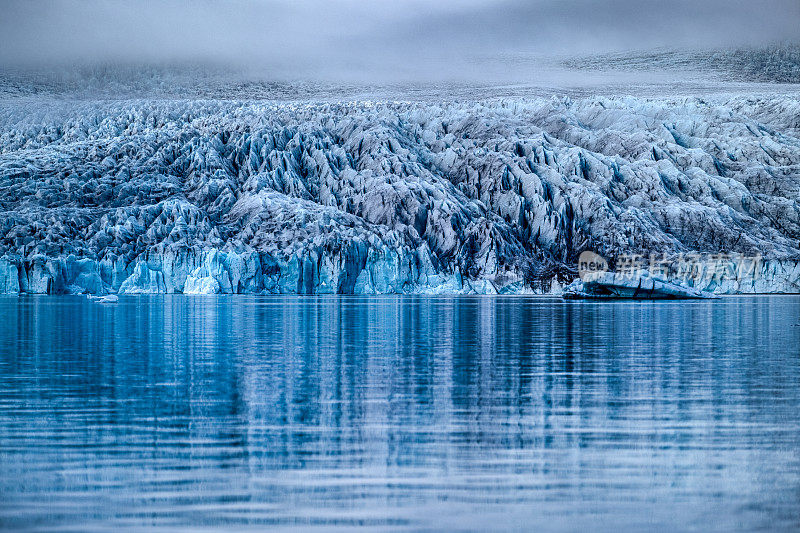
(478, 413)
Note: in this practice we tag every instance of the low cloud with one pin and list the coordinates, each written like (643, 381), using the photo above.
(375, 38)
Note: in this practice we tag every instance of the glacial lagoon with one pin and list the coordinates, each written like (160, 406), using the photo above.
(417, 413)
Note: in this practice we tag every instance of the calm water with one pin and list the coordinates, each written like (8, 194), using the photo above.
(399, 412)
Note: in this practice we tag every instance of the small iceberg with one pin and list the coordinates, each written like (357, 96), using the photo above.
(107, 299)
(613, 285)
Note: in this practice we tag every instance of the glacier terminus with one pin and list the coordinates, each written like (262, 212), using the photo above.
(495, 195)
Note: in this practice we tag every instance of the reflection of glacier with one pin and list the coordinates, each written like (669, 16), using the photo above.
(213, 196)
(415, 411)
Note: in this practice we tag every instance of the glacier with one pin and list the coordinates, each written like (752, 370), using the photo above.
(496, 195)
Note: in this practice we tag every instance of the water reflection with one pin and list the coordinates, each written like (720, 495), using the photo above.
(422, 412)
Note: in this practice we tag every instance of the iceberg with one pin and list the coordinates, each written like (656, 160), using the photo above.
(107, 299)
(612, 285)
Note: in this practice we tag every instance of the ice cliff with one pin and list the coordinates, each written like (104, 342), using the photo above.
(496, 196)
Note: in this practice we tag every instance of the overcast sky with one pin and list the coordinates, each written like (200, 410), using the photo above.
(307, 36)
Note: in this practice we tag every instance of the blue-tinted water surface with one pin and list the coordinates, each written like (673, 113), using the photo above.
(399, 412)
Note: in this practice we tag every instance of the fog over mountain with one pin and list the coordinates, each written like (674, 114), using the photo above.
(410, 40)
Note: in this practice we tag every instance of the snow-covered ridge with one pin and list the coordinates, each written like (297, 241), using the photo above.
(213, 196)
